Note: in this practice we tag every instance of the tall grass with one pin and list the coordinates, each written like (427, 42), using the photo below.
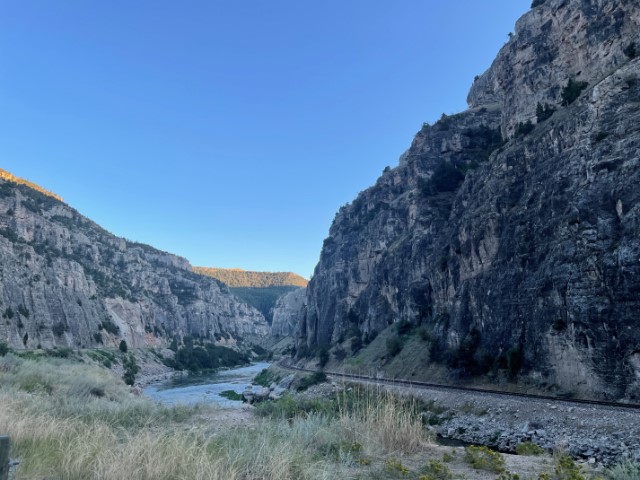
(382, 421)
(76, 421)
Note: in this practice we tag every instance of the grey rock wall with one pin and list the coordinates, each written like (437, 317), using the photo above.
(534, 258)
(287, 313)
(64, 281)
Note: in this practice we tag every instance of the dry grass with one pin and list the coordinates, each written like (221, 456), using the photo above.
(76, 421)
(384, 422)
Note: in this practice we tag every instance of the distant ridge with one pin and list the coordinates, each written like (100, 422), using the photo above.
(236, 277)
(4, 175)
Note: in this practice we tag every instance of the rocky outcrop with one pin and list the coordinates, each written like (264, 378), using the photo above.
(515, 246)
(67, 282)
(287, 313)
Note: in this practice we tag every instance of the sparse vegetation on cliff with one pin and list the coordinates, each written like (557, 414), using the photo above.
(236, 277)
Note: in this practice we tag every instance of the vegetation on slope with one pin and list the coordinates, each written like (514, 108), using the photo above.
(236, 277)
(4, 175)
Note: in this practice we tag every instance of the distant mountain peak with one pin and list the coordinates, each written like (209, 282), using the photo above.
(236, 277)
(9, 177)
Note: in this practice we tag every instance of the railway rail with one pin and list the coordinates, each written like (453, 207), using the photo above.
(438, 386)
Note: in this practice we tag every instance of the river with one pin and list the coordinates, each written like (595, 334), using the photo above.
(194, 389)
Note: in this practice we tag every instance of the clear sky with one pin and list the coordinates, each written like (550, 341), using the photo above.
(230, 132)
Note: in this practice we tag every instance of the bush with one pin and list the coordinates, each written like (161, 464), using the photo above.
(110, 327)
(8, 313)
(435, 470)
(544, 112)
(340, 354)
(58, 329)
(600, 136)
(631, 51)
(97, 337)
(523, 129)
(131, 368)
(123, 346)
(394, 346)
(624, 471)
(566, 469)
(483, 458)
(323, 357)
(445, 178)
(528, 448)
(231, 395)
(310, 380)
(404, 327)
(572, 91)
(537, 3)
(356, 344)
(4, 349)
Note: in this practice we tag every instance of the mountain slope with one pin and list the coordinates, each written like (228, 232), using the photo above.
(236, 277)
(515, 258)
(64, 281)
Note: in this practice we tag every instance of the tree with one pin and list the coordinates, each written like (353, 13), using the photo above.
(323, 356)
(572, 91)
(123, 346)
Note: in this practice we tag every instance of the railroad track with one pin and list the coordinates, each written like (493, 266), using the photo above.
(437, 386)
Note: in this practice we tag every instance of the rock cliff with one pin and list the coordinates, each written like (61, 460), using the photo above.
(510, 233)
(287, 312)
(64, 281)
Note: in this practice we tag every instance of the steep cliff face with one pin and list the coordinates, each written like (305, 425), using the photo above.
(64, 281)
(523, 255)
(287, 312)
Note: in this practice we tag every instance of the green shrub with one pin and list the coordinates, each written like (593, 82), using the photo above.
(97, 337)
(265, 378)
(339, 353)
(483, 458)
(64, 352)
(356, 343)
(8, 313)
(310, 380)
(4, 349)
(528, 448)
(110, 327)
(435, 470)
(523, 129)
(59, 328)
(131, 368)
(231, 395)
(631, 51)
(544, 112)
(394, 346)
(445, 178)
(537, 3)
(566, 469)
(624, 471)
(600, 136)
(123, 346)
(323, 357)
(572, 91)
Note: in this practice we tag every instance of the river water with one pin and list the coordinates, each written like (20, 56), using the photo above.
(194, 389)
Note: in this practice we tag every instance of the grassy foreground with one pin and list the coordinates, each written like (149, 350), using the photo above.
(73, 420)
(70, 419)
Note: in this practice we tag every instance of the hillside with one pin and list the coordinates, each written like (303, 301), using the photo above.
(505, 244)
(236, 277)
(4, 175)
(65, 281)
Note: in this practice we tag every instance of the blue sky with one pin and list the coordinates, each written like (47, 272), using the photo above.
(230, 132)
